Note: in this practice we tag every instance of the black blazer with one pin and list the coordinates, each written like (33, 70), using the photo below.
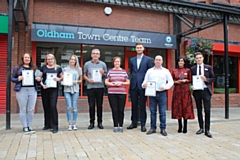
(208, 73)
(137, 75)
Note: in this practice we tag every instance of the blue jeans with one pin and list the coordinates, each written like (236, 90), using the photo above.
(71, 106)
(161, 101)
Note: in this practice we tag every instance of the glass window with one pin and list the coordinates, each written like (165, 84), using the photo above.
(106, 55)
(219, 71)
(162, 52)
(62, 53)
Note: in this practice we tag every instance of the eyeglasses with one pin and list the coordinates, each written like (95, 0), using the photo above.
(49, 59)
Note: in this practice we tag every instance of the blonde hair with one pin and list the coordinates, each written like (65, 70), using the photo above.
(77, 66)
(51, 56)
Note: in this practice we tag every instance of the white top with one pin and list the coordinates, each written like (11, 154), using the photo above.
(76, 74)
(139, 59)
(202, 73)
(159, 75)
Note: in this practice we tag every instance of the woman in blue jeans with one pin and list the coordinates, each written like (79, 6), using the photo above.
(71, 92)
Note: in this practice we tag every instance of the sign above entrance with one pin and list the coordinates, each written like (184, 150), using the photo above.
(100, 36)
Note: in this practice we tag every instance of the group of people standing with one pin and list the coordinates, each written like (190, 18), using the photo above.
(142, 70)
(182, 106)
(48, 77)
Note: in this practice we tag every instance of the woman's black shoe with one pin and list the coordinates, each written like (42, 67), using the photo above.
(46, 128)
(179, 125)
(54, 131)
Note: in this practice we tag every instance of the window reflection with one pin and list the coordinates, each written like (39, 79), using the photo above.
(219, 70)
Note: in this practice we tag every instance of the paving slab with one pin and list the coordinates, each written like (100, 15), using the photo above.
(130, 145)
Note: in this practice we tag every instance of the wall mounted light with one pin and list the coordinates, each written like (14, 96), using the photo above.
(107, 10)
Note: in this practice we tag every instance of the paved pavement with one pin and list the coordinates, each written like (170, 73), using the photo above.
(99, 144)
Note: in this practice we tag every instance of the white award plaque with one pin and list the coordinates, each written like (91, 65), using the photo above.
(150, 90)
(28, 79)
(197, 82)
(67, 79)
(160, 83)
(50, 82)
(96, 75)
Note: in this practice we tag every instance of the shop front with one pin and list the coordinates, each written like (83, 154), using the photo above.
(63, 41)
(3, 62)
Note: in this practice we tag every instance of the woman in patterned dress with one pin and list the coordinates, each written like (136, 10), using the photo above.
(182, 107)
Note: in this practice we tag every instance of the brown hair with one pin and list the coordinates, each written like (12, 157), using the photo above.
(31, 64)
(114, 58)
(139, 43)
(197, 53)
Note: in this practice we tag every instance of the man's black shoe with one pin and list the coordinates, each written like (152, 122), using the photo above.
(208, 134)
(100, 126)
(132, 126)
(143, 129)
(91, 126)
(200, 131)
(163, 132)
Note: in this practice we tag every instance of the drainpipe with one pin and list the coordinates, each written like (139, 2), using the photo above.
(9, 63)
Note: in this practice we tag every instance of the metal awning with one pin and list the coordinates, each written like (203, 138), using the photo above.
(212, 11)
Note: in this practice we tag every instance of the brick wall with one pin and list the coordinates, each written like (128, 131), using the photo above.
(83, 106)
(218, 101)
(92, 14)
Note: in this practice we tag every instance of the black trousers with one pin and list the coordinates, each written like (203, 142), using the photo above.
(138, 98)
(49, 101)
(205, 97)
(117, 103)
(95, 95)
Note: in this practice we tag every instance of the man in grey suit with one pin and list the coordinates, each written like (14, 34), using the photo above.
(138, 68)
(207, 75)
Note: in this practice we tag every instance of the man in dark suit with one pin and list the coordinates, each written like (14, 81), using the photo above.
(207, 75)
(138, 68)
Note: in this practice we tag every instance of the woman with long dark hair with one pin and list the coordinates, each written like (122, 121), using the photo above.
(182, 107)
(26, 93)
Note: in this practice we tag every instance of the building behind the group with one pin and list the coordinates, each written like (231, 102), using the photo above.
(76, 27)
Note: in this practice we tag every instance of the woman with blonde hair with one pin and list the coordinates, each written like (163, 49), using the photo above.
(71, 92)
(51, 74)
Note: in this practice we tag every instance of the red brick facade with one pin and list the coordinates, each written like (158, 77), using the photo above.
(74, 12)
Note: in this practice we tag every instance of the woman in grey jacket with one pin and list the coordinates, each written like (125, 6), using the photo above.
(26, 91)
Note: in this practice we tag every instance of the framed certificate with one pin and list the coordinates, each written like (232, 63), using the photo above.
(50, 82)
(151, 89)
(28, 79)
(96, 75)
(68, 79)
(197, 82)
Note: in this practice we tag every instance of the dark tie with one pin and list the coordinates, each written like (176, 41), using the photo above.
(199, 70)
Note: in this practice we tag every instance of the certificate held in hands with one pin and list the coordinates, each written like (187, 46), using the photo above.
(96, 75)
(68, 79)
(28, 79)
(50, 82)
(197, 82)
(150, 90)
